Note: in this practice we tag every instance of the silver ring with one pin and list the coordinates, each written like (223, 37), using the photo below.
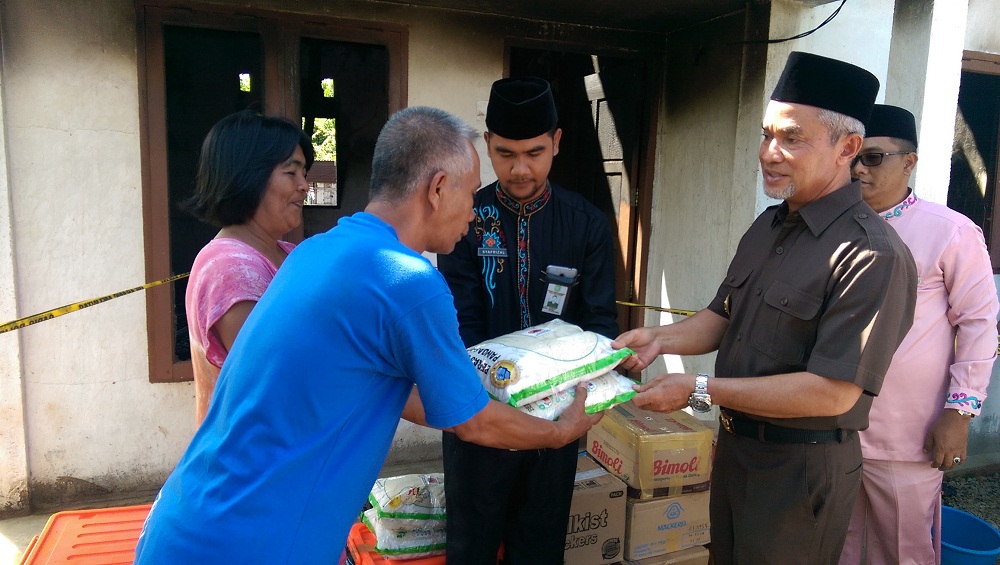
(956, 460)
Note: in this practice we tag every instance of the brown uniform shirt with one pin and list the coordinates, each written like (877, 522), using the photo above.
(828, 289)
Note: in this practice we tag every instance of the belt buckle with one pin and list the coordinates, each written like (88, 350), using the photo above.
(727, 422)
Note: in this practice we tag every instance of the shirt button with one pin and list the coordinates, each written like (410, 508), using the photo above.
(779, 250)
(758, 292)
(732, 278)
(862, 215)
(784, 302)
(739, 336)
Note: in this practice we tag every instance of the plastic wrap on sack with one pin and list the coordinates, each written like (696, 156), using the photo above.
(603, 392)
(525, 366)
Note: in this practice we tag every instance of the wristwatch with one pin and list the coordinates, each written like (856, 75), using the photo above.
(700, 400)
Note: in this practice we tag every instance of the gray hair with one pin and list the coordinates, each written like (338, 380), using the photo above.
(840, 125)
(415, 144)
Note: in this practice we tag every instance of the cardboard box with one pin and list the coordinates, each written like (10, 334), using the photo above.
(661, 525)
(696, 555)
(595, 533)
(656, 454)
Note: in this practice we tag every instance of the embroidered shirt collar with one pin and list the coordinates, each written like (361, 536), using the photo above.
(525, 208)
(897, 210)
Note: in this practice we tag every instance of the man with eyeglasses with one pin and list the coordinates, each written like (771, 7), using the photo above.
(815, 301)
(919, 423)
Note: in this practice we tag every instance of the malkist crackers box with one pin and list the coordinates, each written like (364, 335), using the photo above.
(656, 454)
(696, 555)
(661, 525)
(595, 534)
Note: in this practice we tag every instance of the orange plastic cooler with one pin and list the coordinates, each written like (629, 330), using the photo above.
(105, 536)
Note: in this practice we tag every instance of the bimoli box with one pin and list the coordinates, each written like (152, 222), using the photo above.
(595, 533)
(660, 525)
(656, 454)
(696, 555)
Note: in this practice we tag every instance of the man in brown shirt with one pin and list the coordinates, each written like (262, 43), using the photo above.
(816, 300)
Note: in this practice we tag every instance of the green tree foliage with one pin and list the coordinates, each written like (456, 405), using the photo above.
(324, 139)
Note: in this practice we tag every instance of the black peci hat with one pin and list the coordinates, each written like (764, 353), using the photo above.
(521, 108)
(892, 121)
(827, 83)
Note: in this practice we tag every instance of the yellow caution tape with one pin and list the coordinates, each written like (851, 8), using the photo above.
(658, 308)
(56, 312)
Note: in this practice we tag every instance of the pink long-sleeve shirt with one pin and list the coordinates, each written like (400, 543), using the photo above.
(946, 359)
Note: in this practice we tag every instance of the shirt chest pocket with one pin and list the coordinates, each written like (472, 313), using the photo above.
(786, 323)
(735, 282)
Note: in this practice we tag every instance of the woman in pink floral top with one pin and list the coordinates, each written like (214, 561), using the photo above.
(251, 183)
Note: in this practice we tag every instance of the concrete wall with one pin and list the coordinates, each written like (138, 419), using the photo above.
(693, 180)
(93, 422)
(982, 33)
(13, 452)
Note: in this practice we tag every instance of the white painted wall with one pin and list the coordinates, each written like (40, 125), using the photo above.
(692, 187)
(93, 422)
(937, 107)
(13, 452)
(982, 32)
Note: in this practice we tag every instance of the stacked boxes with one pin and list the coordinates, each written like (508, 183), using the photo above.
(663, 525)
(595, 534)
(655, 454)
(697, 555)
(665, 461)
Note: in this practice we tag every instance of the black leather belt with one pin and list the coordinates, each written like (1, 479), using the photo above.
(769, 433)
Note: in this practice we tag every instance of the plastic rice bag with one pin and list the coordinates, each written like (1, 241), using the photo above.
(603, 392)
(418, 497)
(405, 538)
(524, 366)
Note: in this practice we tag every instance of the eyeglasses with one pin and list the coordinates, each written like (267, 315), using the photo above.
(874, 159)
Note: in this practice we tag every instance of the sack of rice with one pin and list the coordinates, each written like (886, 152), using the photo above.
(527, 365)
(404, 538)
(603, 392)
(415, 497)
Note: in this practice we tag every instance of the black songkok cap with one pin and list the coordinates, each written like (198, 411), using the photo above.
(892, 121)
(827, 83)
(521, 108)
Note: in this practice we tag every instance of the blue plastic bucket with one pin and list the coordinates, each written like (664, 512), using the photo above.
(966, 539)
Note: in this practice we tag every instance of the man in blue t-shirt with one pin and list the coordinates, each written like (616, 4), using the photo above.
(310, 396)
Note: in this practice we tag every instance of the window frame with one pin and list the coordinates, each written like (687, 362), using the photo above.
(280, 33)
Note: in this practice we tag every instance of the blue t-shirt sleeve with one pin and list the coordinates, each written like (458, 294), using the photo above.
(430, 352)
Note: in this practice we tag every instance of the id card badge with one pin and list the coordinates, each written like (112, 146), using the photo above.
(560, 281)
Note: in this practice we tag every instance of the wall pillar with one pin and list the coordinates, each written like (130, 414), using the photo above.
(925, 70)
(13, 447)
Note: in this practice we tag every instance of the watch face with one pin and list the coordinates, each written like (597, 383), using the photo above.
(700, 403)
